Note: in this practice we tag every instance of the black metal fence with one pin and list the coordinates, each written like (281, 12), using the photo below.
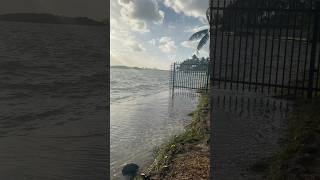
(186, 75)
(266, 46)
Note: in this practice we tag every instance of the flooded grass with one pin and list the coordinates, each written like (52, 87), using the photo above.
(178, 144)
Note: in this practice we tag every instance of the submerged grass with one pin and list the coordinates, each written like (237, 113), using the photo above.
(194, 132)
(299, 156)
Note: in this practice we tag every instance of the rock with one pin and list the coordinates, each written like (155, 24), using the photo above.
(130, 170)
(145, 177)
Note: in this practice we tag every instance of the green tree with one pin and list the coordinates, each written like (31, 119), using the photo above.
(203, 35)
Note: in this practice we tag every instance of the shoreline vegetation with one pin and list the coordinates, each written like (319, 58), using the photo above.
(299, 154)
(51, 19)
(185, 156)
(299, 157)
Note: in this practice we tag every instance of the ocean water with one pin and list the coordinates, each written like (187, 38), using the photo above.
(144, 114)
(53, 80)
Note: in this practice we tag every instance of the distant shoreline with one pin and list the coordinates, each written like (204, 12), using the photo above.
(50, 19)
(138, 68)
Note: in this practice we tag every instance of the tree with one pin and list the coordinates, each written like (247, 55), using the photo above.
(194, 64)
(204, 34)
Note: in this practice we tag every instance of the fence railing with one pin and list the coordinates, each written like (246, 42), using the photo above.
(189, 76)
(261, 46)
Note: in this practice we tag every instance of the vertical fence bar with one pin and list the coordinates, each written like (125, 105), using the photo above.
(213, 56)
(245, 50)
(299, 55)
(208, 76)
(183, 76)
(179, 71)
(173, 76)
(309, 17)
(271, 58)
(234, 14)
(292, 50)
(313, 50)
(188, 76)
(176, 74)
(240, 43)
(266, 39)
(221, 47)
(285, 53)
(252, 47)
(199, 79)
(170, 76)
(227, 54)
(196, 78)
(193, 79)
(279, 50)
(258, 56)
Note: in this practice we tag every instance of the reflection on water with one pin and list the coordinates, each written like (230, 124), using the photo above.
(246, 128)
(245, 102)
(139, 125)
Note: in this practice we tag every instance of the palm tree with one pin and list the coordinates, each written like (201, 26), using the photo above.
(204, 34)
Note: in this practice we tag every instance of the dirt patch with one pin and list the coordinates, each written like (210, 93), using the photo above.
(191, 165)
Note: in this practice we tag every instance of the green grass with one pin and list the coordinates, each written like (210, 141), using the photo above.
(194, 132)
(301, 143)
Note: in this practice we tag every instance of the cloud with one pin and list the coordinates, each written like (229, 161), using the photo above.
(190, 44)
(139, 60)
(135, 46)
(167, 45)
(193, 45)
(121, 37)
(139, 13)
(170, 26)
(197, 28)
(152, 41)
(192, 8)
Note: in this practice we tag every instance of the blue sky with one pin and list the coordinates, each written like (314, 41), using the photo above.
(154, 33)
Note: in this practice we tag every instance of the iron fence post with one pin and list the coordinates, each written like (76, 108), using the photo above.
(211, 32)
(173, 76)
(208, 76)
(315, 33)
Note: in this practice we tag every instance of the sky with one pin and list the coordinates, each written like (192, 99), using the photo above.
(96, 9)
(155, 33)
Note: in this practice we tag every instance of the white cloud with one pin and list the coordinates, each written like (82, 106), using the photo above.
(170, 26)
(117, 30)
(121, 38)
(193, 45)
(141, 59)
(153, 42)
(134, 45)
(190, 44)
(193, 8)
(167, 45)
(139, 13)
(197, 28)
